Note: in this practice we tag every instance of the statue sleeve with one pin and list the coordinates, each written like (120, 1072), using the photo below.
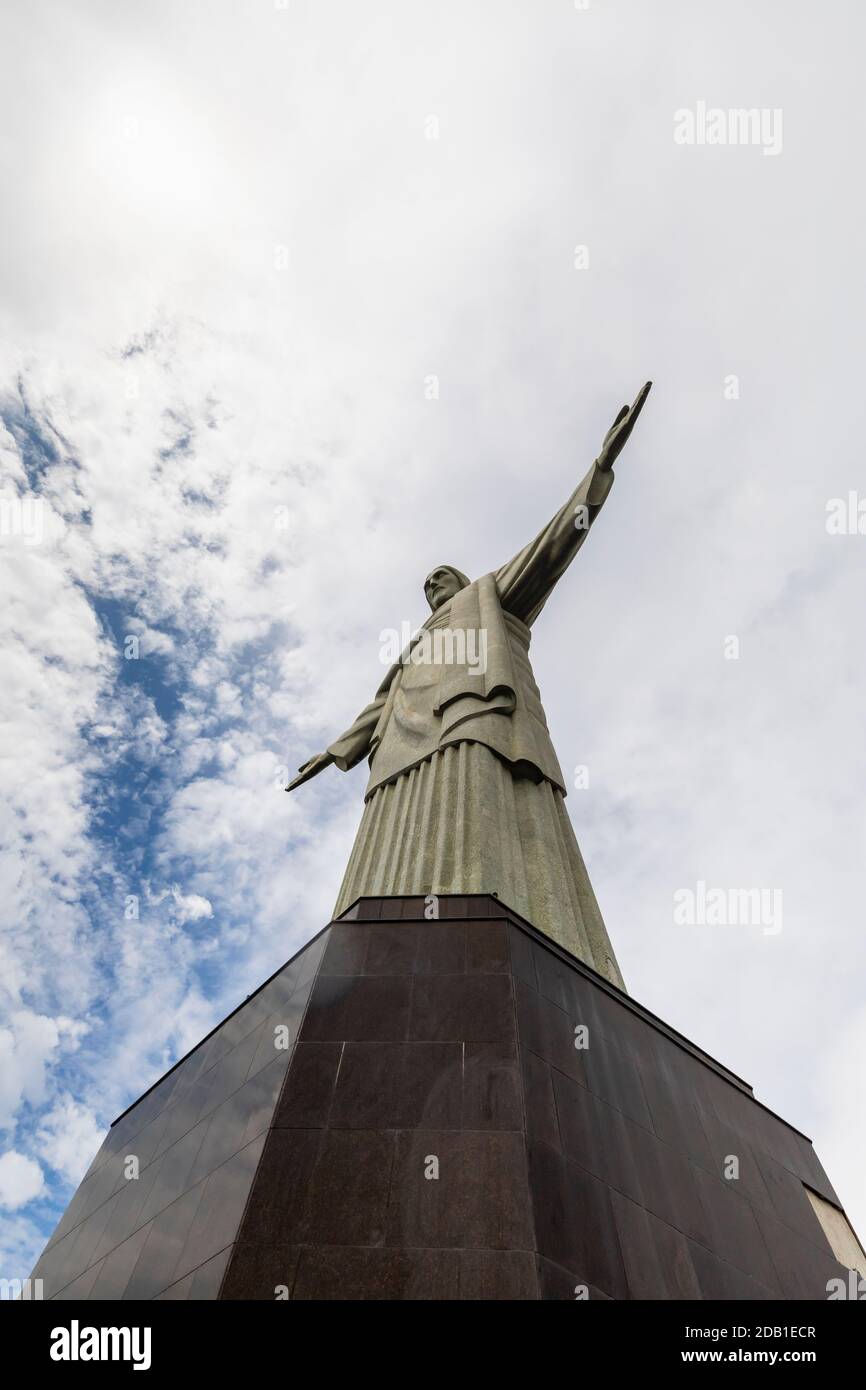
(354, 744)
(527, 581)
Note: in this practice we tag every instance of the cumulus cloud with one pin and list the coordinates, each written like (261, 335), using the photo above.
(186, 907)
(20, 1180)
(26, 1047)
(191, 907)
(67, 1138)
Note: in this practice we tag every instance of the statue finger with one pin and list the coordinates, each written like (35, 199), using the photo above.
(640, 399)
(303, 775)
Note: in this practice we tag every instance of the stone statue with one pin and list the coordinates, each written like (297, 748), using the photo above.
(465, 793)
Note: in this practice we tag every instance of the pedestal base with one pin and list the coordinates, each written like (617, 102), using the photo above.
(448, 1109)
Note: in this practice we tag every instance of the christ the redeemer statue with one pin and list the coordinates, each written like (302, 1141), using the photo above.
(465, 793)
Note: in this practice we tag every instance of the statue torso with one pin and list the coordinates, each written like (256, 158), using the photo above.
(436, 701)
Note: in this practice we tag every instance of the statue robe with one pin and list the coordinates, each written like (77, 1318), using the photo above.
(465, 793)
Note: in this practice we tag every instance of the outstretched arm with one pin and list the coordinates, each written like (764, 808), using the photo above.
(527, 581)
(351, 746)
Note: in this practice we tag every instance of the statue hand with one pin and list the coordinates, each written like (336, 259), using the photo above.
(309, 769)
(621, 429)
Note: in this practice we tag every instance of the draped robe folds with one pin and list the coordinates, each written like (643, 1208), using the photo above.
(465, 792)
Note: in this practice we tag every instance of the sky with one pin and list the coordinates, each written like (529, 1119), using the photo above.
(300, 300)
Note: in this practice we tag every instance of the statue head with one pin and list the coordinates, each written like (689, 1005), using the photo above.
(442, 584)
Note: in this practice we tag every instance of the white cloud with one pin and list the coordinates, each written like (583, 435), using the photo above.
(20, 1180)
(26, 1047)
(68, 1137)
(190, 907)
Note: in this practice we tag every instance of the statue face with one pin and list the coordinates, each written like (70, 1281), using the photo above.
(441, 585)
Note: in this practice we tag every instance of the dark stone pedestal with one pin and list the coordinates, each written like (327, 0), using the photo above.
(401, 1112)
